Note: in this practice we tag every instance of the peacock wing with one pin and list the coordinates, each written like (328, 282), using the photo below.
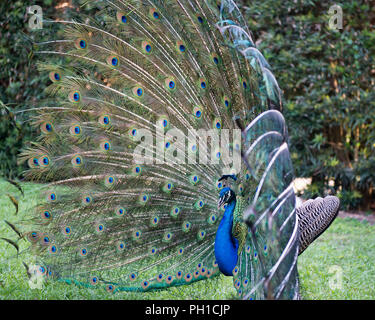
(267, 266)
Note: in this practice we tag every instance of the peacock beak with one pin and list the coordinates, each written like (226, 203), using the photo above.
(221, 202)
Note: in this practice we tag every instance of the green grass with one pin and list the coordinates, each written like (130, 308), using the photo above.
(348, 246)
(347, 251)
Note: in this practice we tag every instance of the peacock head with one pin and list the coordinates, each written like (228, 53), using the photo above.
(226, 196)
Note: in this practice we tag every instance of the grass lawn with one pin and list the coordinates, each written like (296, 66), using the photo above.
(339, 265)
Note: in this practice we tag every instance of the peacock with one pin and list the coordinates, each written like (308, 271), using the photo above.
(164, 155)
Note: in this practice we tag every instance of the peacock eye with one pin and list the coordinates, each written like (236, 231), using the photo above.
(48, 127)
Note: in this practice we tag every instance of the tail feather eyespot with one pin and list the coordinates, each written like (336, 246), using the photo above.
(44, 161)
(75, 96)
(105, 146)
(120, 211)
(122, 17)
(77, 161)
(104, 120)
(154, 14)
(147, 47)
(94, 280)
(113, 61)
(110, 288)
(181, 47)
(145, 284)
(138, 91)
(33, 162)
(55, 76)
(81, 43)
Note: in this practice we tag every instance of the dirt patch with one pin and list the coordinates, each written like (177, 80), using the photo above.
(359, 216)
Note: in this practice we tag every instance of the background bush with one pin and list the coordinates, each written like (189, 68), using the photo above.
(21, 85)
(327, 78)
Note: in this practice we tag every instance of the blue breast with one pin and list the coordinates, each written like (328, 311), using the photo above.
(226, 245)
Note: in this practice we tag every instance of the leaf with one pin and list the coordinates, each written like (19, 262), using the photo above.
(12, 243)
(14, 229)
(14, 201)
(16, 184)
(27, 269)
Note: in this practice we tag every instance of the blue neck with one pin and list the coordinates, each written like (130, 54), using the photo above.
(226, 245)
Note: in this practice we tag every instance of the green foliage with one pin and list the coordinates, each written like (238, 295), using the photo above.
(21, 85)
(350, 199)
(344, 253)
(18, 79)
(327, 77)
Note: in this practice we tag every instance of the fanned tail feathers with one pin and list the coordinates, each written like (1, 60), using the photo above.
(148, 73)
